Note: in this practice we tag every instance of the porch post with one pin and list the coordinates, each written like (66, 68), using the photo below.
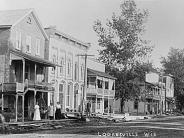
(23, 108)
(23, 72)
(108, 111)
(96, 105)
(35, 72)
(34, 97)
(16, 101)
(2, 102)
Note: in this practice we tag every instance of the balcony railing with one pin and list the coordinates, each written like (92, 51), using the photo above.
(39, 85)
(19, 87)
(12, 87)
(100, 91)
(91, 91)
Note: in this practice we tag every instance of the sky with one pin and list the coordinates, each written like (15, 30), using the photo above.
(165, 26)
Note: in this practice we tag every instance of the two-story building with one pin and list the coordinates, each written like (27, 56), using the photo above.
(23, 79)
(100, 88)
(68, 52)
(168, 80)
(151, 99)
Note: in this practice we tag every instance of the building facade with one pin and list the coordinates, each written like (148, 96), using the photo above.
(156, 96)
(100, 88)
(68, 53)
(23, 67)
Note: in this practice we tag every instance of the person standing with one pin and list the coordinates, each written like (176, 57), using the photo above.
(88, 108)
(51, 111)
(36, 112)
(58, 111)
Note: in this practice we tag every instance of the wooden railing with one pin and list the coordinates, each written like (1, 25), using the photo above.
(92, 90)
(100, 91)
(20, 87)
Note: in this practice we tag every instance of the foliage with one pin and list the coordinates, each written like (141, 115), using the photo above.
(123, 48)
(174, 64)
(121, 38)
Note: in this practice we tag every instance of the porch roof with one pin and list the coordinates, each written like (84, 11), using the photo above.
(33, 58)
(92, 72)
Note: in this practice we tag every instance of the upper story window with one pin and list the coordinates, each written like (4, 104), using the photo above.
(76, 71)
(28, 44)
(69, 71)
(106, 85)
(18, 40)
(82, 71)
(62, 63)
(99, 83)
(37, 46)
(54, 61)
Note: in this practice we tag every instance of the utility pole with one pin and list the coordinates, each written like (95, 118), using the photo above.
(85, 81)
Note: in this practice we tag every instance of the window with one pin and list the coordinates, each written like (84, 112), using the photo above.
(18, 40)
(27, 72)
(82, 72)
(113, 86)
(68, 95)
(37, 46)
(61, 95)
(54, 61)
(99, 83)
(28, 44)
(136, 104)
(69, 71)
(61, 70)
(76, 71)
(106, 85)
(98, 103)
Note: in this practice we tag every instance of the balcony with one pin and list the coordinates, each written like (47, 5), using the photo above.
(153, 96)
(39, 85)
(100, 91)
(19, 87)
(12, 87)
(92, 91)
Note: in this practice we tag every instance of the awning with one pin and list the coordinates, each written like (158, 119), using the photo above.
(33, 59)
(99, 73)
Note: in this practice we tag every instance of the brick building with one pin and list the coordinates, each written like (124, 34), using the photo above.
(66, 51)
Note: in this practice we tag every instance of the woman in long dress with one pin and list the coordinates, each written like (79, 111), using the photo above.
(58, 111)
(36, 112)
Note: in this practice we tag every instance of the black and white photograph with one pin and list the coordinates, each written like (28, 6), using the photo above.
(91, 68)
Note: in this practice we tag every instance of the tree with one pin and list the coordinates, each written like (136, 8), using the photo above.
(174, 64)
(123, 48)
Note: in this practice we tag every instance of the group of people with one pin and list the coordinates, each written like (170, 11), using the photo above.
(50, 112)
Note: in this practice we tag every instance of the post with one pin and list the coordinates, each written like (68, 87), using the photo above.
(2, 102)
(16, 101)
(165, 97)
(23, 108)
(54, 90)
(23, 68)
(35, 73)
(85, 83)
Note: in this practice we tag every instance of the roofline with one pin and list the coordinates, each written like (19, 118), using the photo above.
(71, 37)
(36, 19)
(5, 26)
(110, 77)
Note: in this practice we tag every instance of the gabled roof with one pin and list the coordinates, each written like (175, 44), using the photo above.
(10, 18)
(99, 73)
